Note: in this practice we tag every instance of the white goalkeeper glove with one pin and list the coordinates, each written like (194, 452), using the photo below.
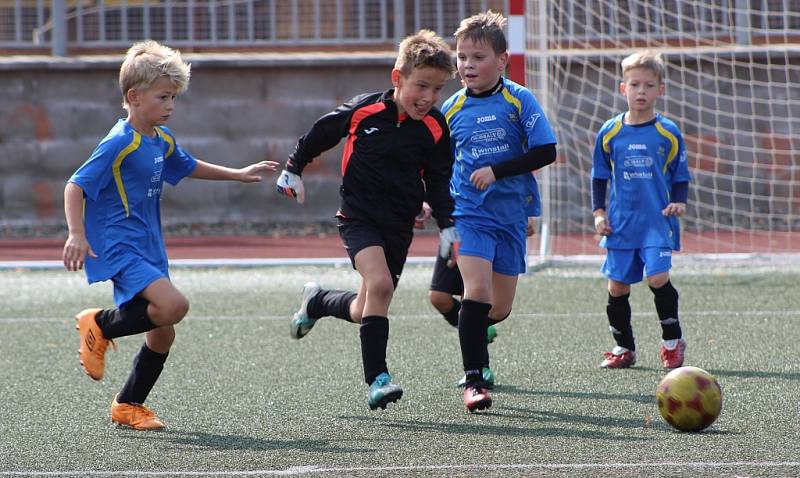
(291, 184)
(449, 241)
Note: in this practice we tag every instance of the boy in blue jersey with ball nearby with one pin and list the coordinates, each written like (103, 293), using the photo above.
(499, 136)
(112, 207)
(644, 156)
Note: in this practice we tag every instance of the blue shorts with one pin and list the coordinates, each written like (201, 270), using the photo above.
(133, 278)
(506, 247)
(628, 265)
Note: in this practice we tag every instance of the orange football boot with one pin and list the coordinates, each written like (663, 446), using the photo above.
(93, 344)
(134, 415)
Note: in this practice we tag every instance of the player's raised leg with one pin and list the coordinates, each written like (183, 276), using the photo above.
(318, 303)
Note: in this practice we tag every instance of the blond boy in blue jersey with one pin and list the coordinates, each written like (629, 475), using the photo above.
(112, 207)
(643, 154)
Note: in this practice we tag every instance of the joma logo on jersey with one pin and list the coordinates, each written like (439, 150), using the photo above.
(532, 121)
(158, 159)
(634, 147)
(484, 119)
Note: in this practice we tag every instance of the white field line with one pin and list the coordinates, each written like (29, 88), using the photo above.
(535, 262)
(541, 316)
(312, 469)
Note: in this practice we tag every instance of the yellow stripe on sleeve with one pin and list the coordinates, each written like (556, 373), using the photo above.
(137, 139)
(511, 99)
(456, 108)
(608, 136)
(673, 150)
(169, 139)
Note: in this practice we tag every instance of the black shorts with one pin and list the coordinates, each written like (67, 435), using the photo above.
(358, 235)
(446, 279)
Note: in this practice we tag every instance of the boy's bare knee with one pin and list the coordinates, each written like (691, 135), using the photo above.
(618, 289)
(381, 290)
(173, 312)
(440, 300)
(657, 281)
(180, 309)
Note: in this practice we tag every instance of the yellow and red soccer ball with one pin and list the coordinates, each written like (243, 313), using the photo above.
(689, 399)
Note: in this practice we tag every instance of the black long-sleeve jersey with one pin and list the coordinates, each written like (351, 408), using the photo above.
(385, 160)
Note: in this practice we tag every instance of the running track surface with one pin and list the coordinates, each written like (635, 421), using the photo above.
(328, 246)
(423, 245)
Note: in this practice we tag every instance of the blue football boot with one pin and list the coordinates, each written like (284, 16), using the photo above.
(383, 392)
(301, 322)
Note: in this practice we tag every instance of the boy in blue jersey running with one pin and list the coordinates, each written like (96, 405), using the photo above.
(644, 156)
(113, 215)
(499, 135)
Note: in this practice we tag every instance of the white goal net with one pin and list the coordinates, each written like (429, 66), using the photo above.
(733, 87)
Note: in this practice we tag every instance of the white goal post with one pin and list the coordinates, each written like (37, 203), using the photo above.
(732, 86)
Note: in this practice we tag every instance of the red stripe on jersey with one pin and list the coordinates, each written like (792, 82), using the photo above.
(433, 125)
(356, 119)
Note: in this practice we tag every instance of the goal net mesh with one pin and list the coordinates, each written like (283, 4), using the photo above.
(732, 86)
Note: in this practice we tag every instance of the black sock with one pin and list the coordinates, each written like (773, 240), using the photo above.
(130, 319)
(331, 302)
(147, 366)
(472, 335)
(666, 299)
(497, 321)
(619, 320)
(451, 316)
(374, 332)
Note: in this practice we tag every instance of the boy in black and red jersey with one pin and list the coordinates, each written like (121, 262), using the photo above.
(396, 140)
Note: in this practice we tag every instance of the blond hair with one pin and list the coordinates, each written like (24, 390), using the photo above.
(146, 62)
(648, 60)
(486, 27)
(424, 49)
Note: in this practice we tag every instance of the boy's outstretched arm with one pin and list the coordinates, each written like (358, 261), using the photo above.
(77, 247)
(247, 174)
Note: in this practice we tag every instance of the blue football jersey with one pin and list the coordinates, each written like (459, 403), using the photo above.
(122, 183)
(643, 162)
(486, 130)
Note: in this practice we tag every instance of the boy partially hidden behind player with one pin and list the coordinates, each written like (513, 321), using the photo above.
(499, 136)
(644, 156)
(395, 140)
(113, 215)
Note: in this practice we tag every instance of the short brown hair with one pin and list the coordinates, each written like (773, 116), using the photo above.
(647, 59)
(486, 27)
(146, 62)
(424, 49)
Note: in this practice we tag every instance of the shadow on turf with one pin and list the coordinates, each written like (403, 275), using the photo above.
(505, 430)
(236, 442)
(636, 398)
(753, 374)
